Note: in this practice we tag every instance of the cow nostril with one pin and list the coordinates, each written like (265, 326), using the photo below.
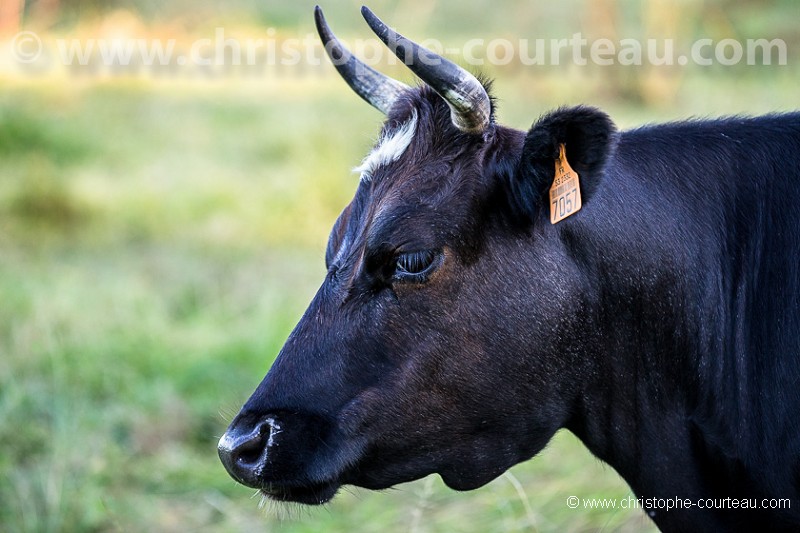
(242, 450)
(249, 451)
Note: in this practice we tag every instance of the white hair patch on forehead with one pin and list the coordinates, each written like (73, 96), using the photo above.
(390, 147)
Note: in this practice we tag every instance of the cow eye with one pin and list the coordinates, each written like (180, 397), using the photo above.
(416, 266)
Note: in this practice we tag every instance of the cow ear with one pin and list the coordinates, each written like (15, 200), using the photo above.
(589, 137)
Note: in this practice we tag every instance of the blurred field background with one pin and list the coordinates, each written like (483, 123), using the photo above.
(160, 234)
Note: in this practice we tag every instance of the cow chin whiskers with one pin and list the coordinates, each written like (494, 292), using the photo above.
(282, 510)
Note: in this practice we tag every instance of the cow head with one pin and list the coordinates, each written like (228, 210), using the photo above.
(442, 339)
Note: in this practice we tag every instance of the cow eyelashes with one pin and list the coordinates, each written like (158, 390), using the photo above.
(414, 262)
(416, 266)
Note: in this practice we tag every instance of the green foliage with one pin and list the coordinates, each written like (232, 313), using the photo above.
(36, 152)
(43, 198)
(25, 133)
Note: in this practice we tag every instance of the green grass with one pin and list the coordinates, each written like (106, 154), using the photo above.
(158, 241)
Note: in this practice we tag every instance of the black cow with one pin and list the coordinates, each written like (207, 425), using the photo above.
(458, 328)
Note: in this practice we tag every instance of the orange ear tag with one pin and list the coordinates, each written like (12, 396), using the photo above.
(565, 193)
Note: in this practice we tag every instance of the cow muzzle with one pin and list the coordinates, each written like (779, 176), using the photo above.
(279, 454)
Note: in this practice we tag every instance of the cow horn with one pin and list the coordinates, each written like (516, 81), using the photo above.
(470, 107)
(379, 90)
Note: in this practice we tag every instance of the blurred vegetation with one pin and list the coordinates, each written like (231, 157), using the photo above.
(160, 237)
